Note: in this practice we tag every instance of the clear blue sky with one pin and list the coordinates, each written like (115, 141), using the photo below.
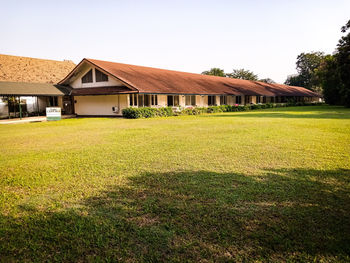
(193, 36)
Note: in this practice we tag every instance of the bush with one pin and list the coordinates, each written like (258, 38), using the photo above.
(191, 111)
(146, 112)
(255, 106)
(131, 113)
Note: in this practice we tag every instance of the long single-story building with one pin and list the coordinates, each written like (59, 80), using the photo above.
(102, 88)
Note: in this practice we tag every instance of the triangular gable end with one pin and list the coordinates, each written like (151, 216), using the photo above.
(88, 75)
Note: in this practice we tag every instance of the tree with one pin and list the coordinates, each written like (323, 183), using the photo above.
(267, 80)
(215, 72)
(306, 64)
(330, 81)
(343, 58)
(294, 80)
(242, 74)
(334, 72)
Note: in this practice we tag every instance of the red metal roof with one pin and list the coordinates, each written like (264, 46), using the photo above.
(161, 81)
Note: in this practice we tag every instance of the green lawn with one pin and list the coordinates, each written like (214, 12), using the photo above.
(268, 185)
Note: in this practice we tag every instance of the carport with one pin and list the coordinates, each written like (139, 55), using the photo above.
(24, 99)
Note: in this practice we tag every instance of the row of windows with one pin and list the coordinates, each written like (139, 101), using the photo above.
(259, 99)
(99, 76)
(223, 100)
(145, 100)
(190, 100)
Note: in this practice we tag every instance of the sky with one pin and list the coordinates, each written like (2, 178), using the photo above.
(192, 36)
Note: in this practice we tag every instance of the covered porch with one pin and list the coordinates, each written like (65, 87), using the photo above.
(22, 99)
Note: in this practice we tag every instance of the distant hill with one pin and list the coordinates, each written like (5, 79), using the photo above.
(24, 69)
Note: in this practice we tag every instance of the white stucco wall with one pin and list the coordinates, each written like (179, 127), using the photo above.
(217, 99)
(230, 100)
(199, 101)
(100, 105)
(162, 100)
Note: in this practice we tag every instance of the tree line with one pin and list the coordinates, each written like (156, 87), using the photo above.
(327, 74)
(236, 74)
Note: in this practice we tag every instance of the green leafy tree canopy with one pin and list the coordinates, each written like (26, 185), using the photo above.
(343, 59)
(242, 74)
(215, 72)
(294, 80)
(267, 80)
(306, 65)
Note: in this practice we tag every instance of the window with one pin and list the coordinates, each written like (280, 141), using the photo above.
(154, 100)
(258, 99)
(140, 100)
(173, 100)
(211, 100)
(170, 101)
(176, 101)
(53, 101)
(190, 100)
(238, 99)
(87, 78)
(133, 99)
(143, 100)
(193, 100)
(100, 77)
(283, 99)
(223, 100)
(147, 100)
(264, 99)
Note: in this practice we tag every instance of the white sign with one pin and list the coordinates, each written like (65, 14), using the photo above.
(53, 113)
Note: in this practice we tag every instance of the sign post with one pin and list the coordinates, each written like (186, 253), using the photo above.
(53, 113)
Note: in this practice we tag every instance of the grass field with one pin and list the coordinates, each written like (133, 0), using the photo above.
(268, 185)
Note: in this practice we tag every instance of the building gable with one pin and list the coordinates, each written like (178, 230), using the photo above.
(87, 76)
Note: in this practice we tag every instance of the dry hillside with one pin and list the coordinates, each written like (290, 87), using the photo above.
(24, 69)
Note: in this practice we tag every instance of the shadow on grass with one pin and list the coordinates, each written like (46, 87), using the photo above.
(297, 214)
(263, 114)
(322, 112)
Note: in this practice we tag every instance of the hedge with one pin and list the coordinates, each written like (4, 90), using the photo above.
(147, 112)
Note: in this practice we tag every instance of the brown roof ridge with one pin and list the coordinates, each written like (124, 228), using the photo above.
(164, 70)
